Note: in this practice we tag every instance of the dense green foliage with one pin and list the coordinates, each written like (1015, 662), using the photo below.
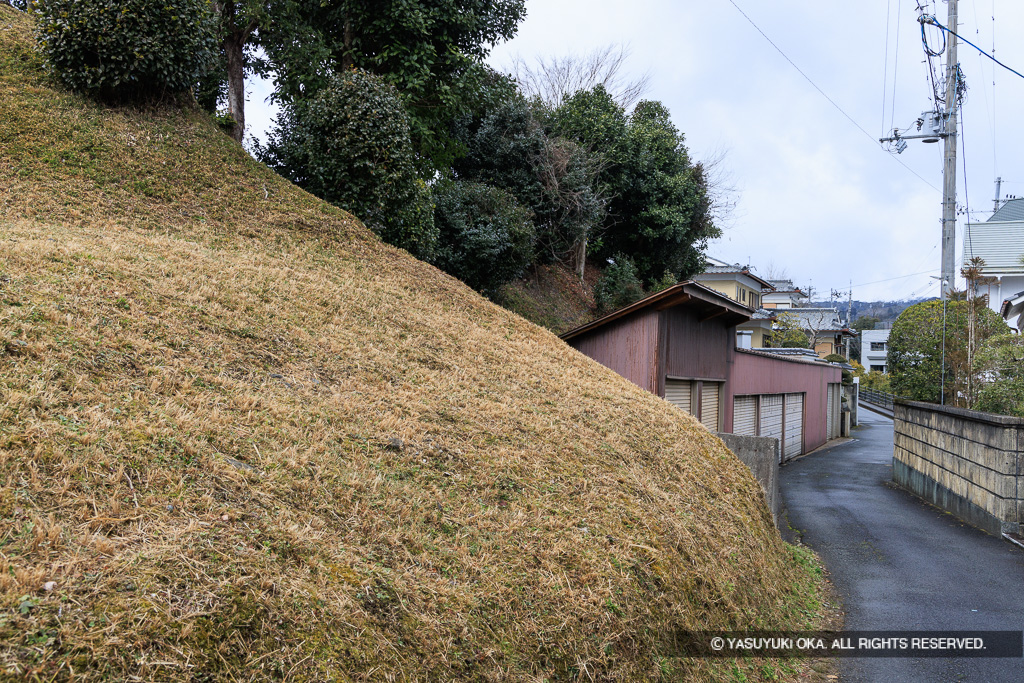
(509, 147)
(350, 146)
(432, 51)
(619, 285)
(126, 50)
(484, 237)
(659, 205)
(916, 350)
(1000, 364)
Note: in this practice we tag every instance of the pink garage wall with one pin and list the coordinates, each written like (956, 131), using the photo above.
(628, 346)
(754, 373)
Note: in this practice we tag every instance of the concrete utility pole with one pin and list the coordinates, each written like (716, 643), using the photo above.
(949, 163)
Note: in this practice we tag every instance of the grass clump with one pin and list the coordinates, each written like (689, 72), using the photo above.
(242, 439)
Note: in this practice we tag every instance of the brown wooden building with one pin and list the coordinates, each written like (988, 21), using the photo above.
(680, 344)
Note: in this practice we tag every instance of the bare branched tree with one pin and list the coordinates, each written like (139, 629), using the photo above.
(555, 79)
(722, 191)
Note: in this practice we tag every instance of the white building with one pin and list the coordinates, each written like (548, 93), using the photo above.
(783, 294)
(999, 241)
(874, 350)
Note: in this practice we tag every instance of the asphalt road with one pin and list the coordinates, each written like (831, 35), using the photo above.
(900, 564)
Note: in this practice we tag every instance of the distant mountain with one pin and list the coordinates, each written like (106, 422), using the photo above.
(885, 311)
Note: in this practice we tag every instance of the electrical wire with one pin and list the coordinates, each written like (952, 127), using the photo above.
(932, 20)
(885, 72)
(967, 198)
(895, 66)
(823, 94)
(901, 277)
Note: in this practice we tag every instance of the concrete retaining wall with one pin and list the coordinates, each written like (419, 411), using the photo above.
(761, 455)
(964, 461)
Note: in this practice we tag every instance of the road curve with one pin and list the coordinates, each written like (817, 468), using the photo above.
(900, 564)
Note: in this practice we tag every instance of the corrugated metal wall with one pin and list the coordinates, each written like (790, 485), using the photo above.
(628, 346)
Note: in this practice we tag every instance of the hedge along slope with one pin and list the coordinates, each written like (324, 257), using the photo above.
(241, 439)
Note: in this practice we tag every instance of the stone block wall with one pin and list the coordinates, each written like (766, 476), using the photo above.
(964, 461)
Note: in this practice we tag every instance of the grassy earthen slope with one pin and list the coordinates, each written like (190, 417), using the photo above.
(241, 439)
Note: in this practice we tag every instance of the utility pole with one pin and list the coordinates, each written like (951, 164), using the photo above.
(935, 125)
(949, 156)
(999, 189)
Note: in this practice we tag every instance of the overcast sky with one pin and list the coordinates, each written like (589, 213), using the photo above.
(816, 197)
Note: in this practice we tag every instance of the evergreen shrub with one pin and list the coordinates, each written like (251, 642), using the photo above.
(126, 50)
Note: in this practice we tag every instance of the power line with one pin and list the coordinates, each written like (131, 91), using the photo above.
(885, 72)
(901, 277)
(825, 95)
(934, 21)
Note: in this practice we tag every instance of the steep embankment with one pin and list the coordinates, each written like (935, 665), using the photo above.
(241, 439)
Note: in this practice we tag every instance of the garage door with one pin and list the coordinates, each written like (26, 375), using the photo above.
(771, 416)
(830, 420)
(709, 405)
(744, 416)
(678, 393)
(794, 445)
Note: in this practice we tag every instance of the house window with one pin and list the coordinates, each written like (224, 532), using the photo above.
(753, 300)
(743, 295)
(877, 368)
(878, 346)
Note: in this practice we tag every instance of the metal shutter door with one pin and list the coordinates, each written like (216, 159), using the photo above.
(677, 392)
(744, 416)
(830, 422)
(794, 426)
(837, 407)
(709, 406)
(771, 415)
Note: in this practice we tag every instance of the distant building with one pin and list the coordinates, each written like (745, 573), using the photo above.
(783, 294)
(826, 329)
(741, 284)
(874, 350)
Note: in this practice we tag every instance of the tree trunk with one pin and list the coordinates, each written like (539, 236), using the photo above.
(581, 258)
(346, 57)
(234, 41)
(234, 49)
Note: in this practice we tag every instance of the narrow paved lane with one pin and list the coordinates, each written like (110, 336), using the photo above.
(900, 564)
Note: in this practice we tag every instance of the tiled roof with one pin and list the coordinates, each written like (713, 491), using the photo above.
(820, 319)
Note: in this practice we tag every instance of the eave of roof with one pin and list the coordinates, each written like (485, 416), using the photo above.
(692, 293)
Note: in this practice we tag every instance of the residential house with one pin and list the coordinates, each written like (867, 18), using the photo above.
(680, 344)
(739, 283)
(783, 294)
(825, 329)
(999, 241)
(874, 350)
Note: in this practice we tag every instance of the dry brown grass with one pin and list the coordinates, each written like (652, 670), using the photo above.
(247, 441)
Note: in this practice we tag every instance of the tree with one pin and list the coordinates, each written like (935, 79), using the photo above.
(865, 322)
(618, 285)
(484, 237)
(1000, 368)
(238, 21)
(432, 51)
(508, 147)
(659, 207)
(133, 50)
(788, 333)
(915, 354)
(555, 79)
(350, 145)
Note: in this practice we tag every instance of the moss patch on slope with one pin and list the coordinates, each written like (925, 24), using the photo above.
(242, 439)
